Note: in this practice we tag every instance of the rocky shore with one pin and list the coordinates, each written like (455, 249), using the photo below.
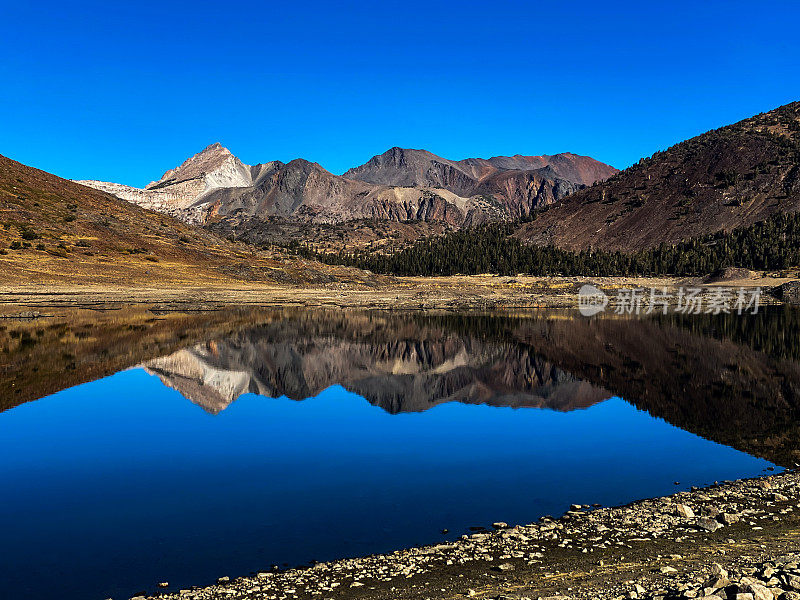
(733, 540)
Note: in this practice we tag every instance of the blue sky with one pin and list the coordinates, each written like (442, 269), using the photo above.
(124, 91)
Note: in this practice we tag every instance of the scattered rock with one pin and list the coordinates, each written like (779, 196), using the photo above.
(790, 292)
(709, 524)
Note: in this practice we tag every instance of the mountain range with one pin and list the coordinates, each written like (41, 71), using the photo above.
(399, 185)
(726, 178)
(730, 177)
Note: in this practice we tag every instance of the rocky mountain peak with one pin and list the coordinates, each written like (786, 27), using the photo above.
(216, 146)
(212, 158)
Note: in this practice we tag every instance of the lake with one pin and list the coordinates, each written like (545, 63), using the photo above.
(183, 448)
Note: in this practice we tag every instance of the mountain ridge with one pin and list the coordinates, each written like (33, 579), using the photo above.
(214, 186)
(417, 163)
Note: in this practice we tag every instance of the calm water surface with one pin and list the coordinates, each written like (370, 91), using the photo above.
(175, 471)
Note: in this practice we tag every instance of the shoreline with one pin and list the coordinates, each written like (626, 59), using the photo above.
(476, 292)
(652, 548)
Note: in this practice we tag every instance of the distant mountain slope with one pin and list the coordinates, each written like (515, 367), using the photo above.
(729, 177)
(56, 229)
(409, 167)
(214, 187)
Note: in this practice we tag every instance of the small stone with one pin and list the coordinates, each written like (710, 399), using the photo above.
(668, 570)
(505, 567)
(500, 525)
(684, 511)
(708, 524)
(718, 570)
(717, 582)
(760, 592)
(793, 581)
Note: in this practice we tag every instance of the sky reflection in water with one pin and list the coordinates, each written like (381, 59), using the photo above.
(114, 485)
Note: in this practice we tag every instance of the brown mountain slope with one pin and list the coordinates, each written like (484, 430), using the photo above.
(733, 176)
(410, 167)
(52, 229)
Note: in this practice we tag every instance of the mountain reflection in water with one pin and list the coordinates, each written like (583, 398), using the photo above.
(732, 379)
(399, 375)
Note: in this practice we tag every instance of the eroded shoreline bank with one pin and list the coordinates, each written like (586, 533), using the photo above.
(661, 547)
(479, 292)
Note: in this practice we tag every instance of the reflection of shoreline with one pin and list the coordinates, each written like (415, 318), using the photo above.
(42, 357)
(711, 386)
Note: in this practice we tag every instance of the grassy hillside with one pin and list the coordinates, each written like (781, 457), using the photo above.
(54, 230)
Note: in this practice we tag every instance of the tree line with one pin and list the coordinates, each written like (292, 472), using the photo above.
(772, 244)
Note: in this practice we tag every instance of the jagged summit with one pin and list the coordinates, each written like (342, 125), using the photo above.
(212, 159)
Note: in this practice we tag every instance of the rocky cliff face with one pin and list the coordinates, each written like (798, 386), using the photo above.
(175, 202)
(215, 187)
